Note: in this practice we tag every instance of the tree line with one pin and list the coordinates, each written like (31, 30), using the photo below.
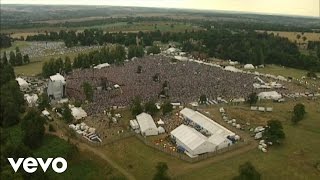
(5, 41)
(244, 46)
(15, 58)
(112, 55)
(11, 99)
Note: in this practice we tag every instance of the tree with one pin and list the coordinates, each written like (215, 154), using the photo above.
(33, 129)
(298, 36)
(151, 108)
(67, 65)
(12, 56)
(247, 172)
(153, 50)
(252, 98)
(88, 91)
(26, 59)
(274, 132)
(318, 52)
(5, 41)
(161, 173)
(136, 107)
(135, 51)
(311, 74)
(11, 102)
(44, 101)
(166, 108)
(66, 113)
(4, 58)
(19, 59)
(203, 99)
(304, 38)
(298, 113)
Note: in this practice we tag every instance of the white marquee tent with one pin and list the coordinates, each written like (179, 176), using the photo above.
(270, 95)
(147, 125)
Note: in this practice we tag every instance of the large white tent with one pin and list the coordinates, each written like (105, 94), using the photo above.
(205, 123)
(270, 95)
(193, 141)
(147, 125)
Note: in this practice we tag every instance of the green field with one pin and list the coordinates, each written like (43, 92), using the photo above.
(20, 44)
(295, 159)
(35, 65)
(80, 164)
(283, 71)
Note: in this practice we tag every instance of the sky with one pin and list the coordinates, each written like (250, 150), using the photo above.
(289, 7)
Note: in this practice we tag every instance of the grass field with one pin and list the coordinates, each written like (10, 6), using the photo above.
(283, 71)
(295, 159)
(114, 27)
(20, 44)
(35, 65)
(292, 36)
(81, 165)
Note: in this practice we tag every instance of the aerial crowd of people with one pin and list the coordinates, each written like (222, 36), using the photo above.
(187, 81)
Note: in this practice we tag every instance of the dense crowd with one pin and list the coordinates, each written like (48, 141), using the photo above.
(187, 82)
(40, 49)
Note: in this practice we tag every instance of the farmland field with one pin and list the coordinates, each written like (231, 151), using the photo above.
(292, 36)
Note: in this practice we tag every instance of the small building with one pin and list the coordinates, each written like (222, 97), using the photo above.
(56, 87)
(147, 125)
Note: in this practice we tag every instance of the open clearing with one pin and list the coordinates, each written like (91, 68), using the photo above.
(114, 27)
(292, 36)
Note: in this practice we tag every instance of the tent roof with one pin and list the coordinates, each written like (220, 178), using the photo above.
(101, 66)
(190, 137)
(57, 77)
(22, 82)
(248, 66)
(145, 121)
(206, 123)
(269, 95)
(78, 112)
(45, 112)
(232, 69)
(216, 140)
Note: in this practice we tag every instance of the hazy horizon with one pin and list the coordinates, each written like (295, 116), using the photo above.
(284, 7)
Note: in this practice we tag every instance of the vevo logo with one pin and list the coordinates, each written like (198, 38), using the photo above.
(30, 164)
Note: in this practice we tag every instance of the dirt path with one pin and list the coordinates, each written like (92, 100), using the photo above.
(85, 147)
